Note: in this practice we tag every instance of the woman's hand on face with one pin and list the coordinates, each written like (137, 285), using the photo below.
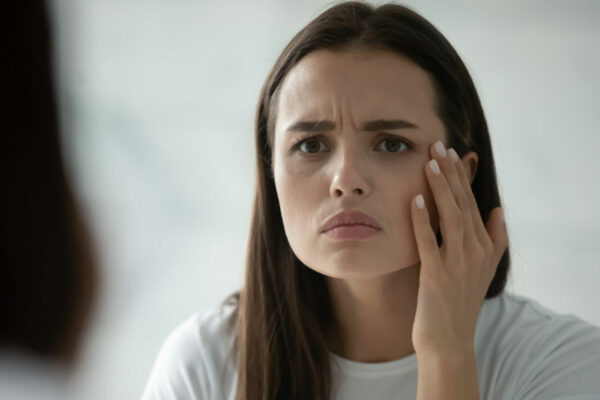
(454, 278)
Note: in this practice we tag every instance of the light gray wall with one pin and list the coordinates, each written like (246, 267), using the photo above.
(158, 100)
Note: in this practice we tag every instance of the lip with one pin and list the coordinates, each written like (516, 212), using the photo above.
(353, 222)
(351, 232)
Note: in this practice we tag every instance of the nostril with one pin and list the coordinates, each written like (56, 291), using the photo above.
(339, 192)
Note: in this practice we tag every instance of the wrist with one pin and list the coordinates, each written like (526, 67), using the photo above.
(447, 375)
(456, 355)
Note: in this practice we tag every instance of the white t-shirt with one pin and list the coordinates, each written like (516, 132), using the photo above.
(523, 350)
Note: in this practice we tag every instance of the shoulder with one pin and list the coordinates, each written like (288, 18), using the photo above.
(196, 361)
(511, 315)
(207, 335)
(537, 352)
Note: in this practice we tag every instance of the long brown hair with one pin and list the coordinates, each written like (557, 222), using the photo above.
(284, 309)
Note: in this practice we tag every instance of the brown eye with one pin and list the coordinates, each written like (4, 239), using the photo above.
(310, 145)
(393, 145)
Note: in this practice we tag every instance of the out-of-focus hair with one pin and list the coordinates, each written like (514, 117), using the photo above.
(47, 275)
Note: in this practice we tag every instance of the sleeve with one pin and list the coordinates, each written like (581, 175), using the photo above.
(180, 370)
(564, 364)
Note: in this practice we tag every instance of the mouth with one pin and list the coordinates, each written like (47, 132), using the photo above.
(352, 232)
(348, 219)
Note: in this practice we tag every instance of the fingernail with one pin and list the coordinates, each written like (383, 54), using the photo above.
(420, 201)
(439, 148)
(453, 155)
(433, 165)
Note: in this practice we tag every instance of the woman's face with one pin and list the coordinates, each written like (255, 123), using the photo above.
(352, 162)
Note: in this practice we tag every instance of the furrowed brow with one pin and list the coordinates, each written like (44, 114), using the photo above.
(375, 125)
(385, 124)
(311, 126)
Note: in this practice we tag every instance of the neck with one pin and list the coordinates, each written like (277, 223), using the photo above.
(374, 317)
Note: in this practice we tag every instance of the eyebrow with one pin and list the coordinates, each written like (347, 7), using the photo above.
(375, 125)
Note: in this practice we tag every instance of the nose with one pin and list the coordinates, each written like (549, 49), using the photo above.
(349, 177)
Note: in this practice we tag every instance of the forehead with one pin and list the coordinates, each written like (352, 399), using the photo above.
(366, 83)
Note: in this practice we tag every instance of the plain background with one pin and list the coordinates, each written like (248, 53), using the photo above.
(158, 100)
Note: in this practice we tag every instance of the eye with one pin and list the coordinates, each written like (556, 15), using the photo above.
(311, 145)
(391, 144)
(395, 145)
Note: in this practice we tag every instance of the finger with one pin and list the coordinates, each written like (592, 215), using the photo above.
(427, 246)
(451, 219)
(447, 165)
(479, 229)
(496, 228)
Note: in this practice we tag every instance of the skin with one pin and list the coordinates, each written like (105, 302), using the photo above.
(374, 282)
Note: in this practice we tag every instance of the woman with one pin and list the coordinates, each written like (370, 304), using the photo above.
(377, 241)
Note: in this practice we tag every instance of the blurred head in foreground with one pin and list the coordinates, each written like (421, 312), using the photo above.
(47, 276)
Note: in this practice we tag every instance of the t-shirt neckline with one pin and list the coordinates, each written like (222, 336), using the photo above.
(394, 367)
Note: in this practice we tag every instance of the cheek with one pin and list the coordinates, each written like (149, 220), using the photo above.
(398, 208)
(297, 203)
(412, 184)
(300, 188)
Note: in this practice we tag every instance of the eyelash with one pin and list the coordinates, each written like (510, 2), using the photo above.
(409, 145)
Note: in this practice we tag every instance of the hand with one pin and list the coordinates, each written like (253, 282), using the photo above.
(455, 277)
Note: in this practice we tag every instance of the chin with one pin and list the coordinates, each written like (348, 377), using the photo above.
(359, 270)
